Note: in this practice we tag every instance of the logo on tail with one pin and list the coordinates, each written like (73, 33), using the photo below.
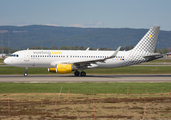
(148, 42)
(144, 50)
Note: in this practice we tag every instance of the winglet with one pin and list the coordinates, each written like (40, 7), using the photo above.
(114, 54)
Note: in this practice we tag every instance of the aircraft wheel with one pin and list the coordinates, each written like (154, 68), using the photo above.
(76, 73)
(83, 73)
(25, 74)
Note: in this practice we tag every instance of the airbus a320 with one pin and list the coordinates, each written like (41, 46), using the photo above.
(65, 61)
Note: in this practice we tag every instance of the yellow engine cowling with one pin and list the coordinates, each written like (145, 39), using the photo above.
(61, 68)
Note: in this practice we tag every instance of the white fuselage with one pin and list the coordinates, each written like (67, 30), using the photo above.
(45, 58)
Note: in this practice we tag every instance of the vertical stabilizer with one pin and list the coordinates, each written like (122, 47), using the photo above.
(145, 47)
(148, 42)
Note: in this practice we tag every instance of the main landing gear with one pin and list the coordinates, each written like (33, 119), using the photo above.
(77, 73)
(25, 74)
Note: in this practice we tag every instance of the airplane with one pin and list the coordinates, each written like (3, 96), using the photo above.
(65, 61)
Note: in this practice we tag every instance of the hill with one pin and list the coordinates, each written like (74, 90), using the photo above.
(48, 36)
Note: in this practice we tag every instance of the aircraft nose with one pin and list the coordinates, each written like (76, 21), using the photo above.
(6, 61)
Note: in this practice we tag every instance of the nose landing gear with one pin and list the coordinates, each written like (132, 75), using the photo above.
(25, 74)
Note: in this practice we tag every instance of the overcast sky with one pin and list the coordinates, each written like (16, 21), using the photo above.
(87, 13)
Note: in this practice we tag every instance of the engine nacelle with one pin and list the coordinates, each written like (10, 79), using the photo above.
(62, 68)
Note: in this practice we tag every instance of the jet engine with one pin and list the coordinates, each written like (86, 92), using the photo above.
(62, 68)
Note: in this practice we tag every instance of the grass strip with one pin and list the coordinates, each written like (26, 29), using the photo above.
(1, 60)
(122, 70)
(85, 88)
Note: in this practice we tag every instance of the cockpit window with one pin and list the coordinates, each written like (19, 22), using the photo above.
(14, 55)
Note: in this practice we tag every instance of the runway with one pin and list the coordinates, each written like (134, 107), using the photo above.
(88, 78)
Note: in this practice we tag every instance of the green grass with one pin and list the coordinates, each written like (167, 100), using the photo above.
(123, 70)
(160, 60)
(18, 70)
(132, 70)
(85, 88)
(1, 60)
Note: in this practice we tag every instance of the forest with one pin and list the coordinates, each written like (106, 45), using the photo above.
(14, 38)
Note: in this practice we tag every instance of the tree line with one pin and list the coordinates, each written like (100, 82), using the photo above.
(38, 35)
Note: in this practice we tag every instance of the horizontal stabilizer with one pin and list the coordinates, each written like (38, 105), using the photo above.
(154, 56)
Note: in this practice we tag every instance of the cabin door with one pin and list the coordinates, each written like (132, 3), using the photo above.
(26, 56)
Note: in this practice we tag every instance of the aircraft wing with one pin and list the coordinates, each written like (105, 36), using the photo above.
(85, 63)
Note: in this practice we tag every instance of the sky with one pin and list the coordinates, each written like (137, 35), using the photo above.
(87, 13)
